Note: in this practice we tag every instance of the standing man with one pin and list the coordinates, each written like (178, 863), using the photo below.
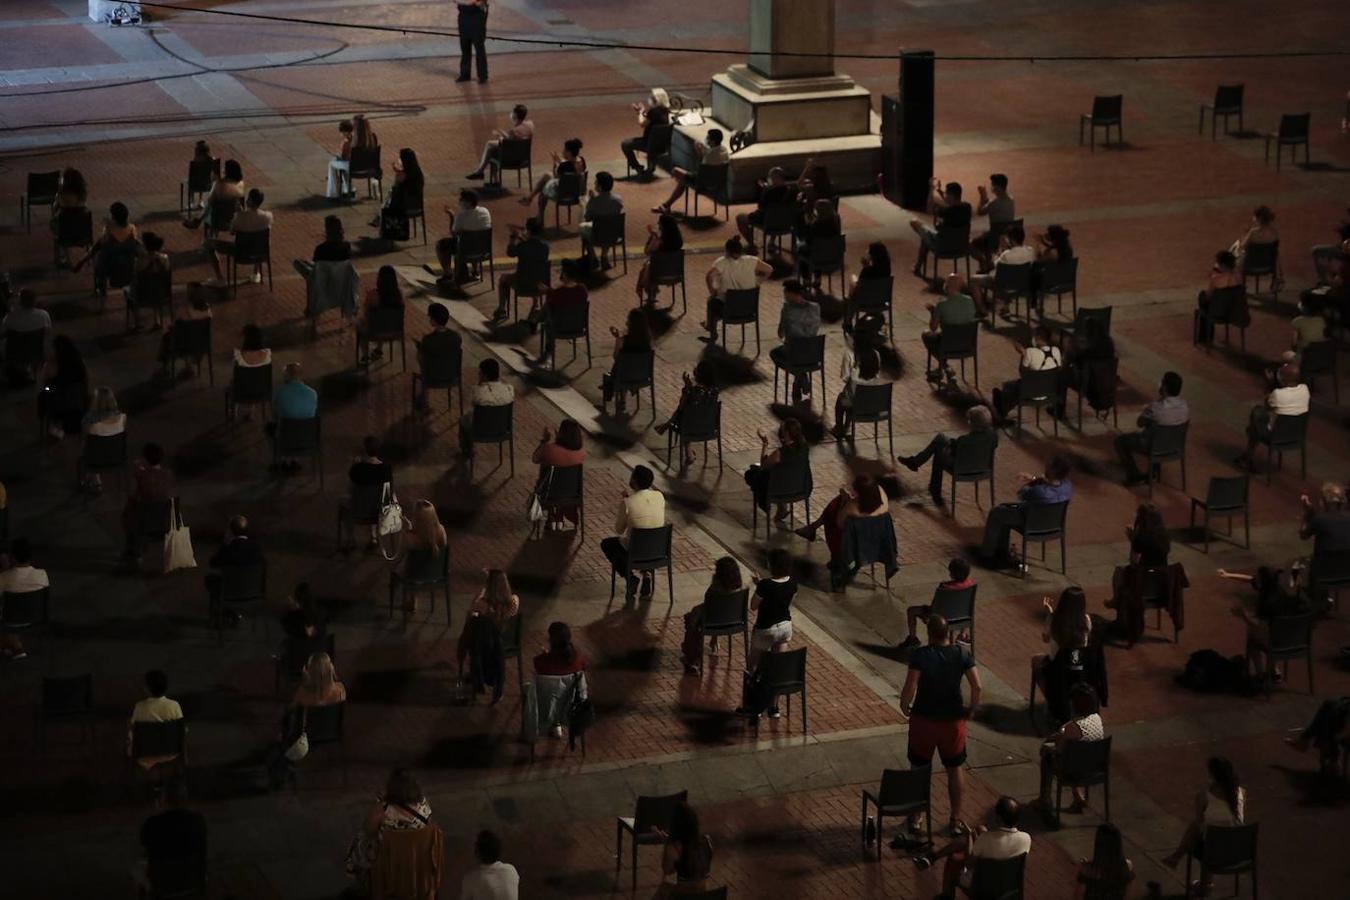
(472, 36)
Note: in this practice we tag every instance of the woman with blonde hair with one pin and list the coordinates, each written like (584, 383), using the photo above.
(425, 540)
(480, 640)
(363, 136)
(319, 684)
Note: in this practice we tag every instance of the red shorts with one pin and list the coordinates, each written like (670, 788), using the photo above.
(947, 738)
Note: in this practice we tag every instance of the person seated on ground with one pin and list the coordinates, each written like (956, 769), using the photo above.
(1261, 231)
(949, 211)
(172, 836)
(793, 452)
(1013, 251)
(1086, 725)
(565, 450)
(865, 498)
(726, 580)
(771, 602)
(955, 308)
(293, 399)
(385, 295)
(1223, 802)
(406, 196)
(494, 604)
(20, 578)
(636, 337)
(713, 153)
(150, 483)
(1001, 210)
(860, 366)
(339, 167)
(652, 114)
(1328, 732)
(773, 190)
(1053, 245)
(874, 266)
(490, 391)
(72, 195)
(799, 318)
(369, 470)
(238, 550)
(424, 541)
(1223, 274)
(1289, 397)
(402, 806)
(820, 221)
(440, 343)
(958, 579)
(642, 506)
(249, 220)
(602, 201)
(65, 389)
(470, 217)
(568, 293)
(1275, 598)
(996, 839)
(25, 318)
(490, 879)
(1168, 410)
(663, 237)
(700, 389)
(687, 855)
(1109, 872)
(735, 270)
(156, 707)
(1040, 356)
(104, 419)
(519, 129)
(546, 188)
(114, 251)
(528, 248)
(1052, 487)
(1067, 626)
(229, 186)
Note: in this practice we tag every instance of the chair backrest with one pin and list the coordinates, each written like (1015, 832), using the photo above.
(533, 276)
(42, 187)
(152, 287)
(1260, 258)
(191, 337)
(385, 323)
(475, 245)
(1289, 634)
(656, 812)
(242, 583)
(152, 517)
(514, 153)
(1153, 585)
(75, 228)
(158, 738)
(788, 480)
(1107, 108)
(974, 454)
(1294, 127)
(253, 246)
(783, 671)
(1085, 762)
(659, 138)
(874, 294)
(712, 180)
(608, 231)
(1228, 98)
(1101, 313)
(441, 369)
(1060, 276)
(223, 210)
(1289, 431)
(955, 341)
(201, 173)
(251, 384)
(565, 484)
(827, 252)
(741, 305)
(805, 352)
(779, 218)
(570, 321)
(955, 604)
(25, 348)
(324, 724)
(1226, 493)
(23, 609)
(571, 185)
(667, 267)
(1167, 441)
(872, 402)
(104, 451)
(997, 879)
(701, 419)
(726, 610)
(1040, 384)
(64, 696)
(1012, 279)
(1318, 358)
(296, 436)
(1045, 519)
(635, 368)
(425, 567)
(493, 424)
(650, 545)
(1230, 848)
(904, 786)
(364, 162)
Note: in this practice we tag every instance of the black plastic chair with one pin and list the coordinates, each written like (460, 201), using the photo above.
(1013, 283)
(383, 325)
(1042, 523)
(475, 248)
(249, 385)
(1166, 443)
(1290, 637)
(511, 647)
(787, 485)
(872, 403)
(416, 213)
(190, 341)
(513, 155)
(1227, 850)
(996, 879)
(422, 573)
(41, 190)
(295, 438)
(26, 350)
(1226, 498)
(571, 188)
(698, 423)
(666, 269)
(607, 233)
(957, 606)
(223, 211)
(25, 611)
(568, 323)
(440, 372)
(1106, 111)
(1082, 764)
(827, 256)
(1108, 370)
(1039, 388)
(1262, 259)
(365, 163)
(1318, 359)
(958, 342)
(1329, 572)
(1058, 277)
(1227, 103)
(75, 229)
(251, 248)
(632, 372)
(874, 296)
(150, 289)
(741, 307)
(1293, 133)
(783, 674)
(727, 615)
(69, 699)
(710, 182)
(532, 279)
(972, 462)
(1153, 594)
(951, 243)
(152, 518)
(802, 357)
(903, 792)
(565, 490)
(325, 726)
(647, 827)
(1228, 307)
(239, 586)
(202, 173)
(103, 453)
(494, 425)
(777, 222)
(154, 739)
(649, 549)
(1285, 435)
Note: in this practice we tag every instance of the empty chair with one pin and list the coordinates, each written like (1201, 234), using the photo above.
(295, 438)
(783, 674)
(1226, 850)
(190, 340)
(958, 342)
(951, 242)
(1226, 498)
(1262, 259)
(513, 155)
(710, 182)
(903, 792)
(1227, 102)
(472, 249)
(1318, 359)
(249, 386)
(1285, 435)
(957, 606)
(103, 453)
(570, 323)
(699, 421)
(647, 827)
(423, 573)
(667, 270)
(1058, 277)
(649, 549)
(607, 233)
(1289, 637)
(633, 371)
(1082, 764)
(1042, 523)
(727, 615)
(872, 403)
(494, 425)
(827, 256)
(365, 163)
(384, 325)
(1166, 443)
(741, 307)
(41, 190)
(69, 699)
(800, 357)
(1293, 133)
(1106, 111)
(996, 879)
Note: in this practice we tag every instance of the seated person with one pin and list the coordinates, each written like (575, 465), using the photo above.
(519, 129)
(726, 580)
(875, 265)
(154, 708)
(1086, 725)
(494, 605)
(334, 248)
(20, 577)
(115, 250)
(820, 221)
(369, 470)
(249, 220)
(663, 237)
(996, 839)
(172, 836)
(1001, 210)
(1150, 544)
(528, 248)
(471, 217)
(1223, 802)
(602, 201)
(490, 391)
(292, 400)
(65, 389)
(860, 367)
(958, 579)
(1309, 328)
(955, 308)
(339, 167)
(1261, 231)
(699, 389)
(407, 195)
(194, 305)
(565, 450)
(1053, 245)
(568, 293)
(104, 419)
(1052, 487)
(72, 194)
(652, 114)
(25, 318)
(772, 191)
(426, 544)
(1013, 251)
(239, 549)
(1275, 598)
(1223, 274)
(949, 212)
(635, 338)
(557, 670)
(1290, 397)
(441, 343)
(793, 452)
(863, 499)
(1328, 732)
(546, 188)
(1169, 409)
(1042, 355)
(713, 153)
(385, 295)
(735, 270)
(642, 506)
(228, 187)
(799, 318)
(151, 483)
(1067, 626)
(1109, 872)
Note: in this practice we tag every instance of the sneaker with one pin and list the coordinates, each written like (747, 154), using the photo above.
(908, 462)
(461, 79)
(257, 278)
(908, 642)
(775, 713)
(922, 862)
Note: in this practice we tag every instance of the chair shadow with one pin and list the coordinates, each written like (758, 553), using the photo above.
(1006, 719)
(1318, 789)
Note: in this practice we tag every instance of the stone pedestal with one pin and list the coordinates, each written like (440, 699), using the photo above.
(792, 107)
(99, 10)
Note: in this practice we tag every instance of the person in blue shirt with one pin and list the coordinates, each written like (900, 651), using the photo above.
(1053, 487)
(293, 400)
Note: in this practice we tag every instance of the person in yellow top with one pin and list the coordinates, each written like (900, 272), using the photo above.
(642, 506)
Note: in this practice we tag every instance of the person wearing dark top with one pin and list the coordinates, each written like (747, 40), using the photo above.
(688, 855)
(793, 451)
(652, 114)
(440, 343)
(772, 605)
(932, 701)
(528, 248)
(949, 211)
(64, 397)
(569, 293)
(406, 194)
(238, 550)
(172, 836)
(1042, 490)
(369, 469)
(1149, 543)
(698, 389)
(1328, 527)
(662, 237)
(874, 266)
(334, 248)
(773, 190)
(472, 26)
(303, 618)
(820, 221)
(726, 580)
(941, 450)
(1276, 597)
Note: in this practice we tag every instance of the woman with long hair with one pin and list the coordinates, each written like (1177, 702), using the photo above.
(494, 605)
(1223, 802)
(1149, 542)
(425, 540)
(65, 389)
(726, 579)
(687, 856)
(104, 419)
(636, 337)
(229, 186)
(663, 237)
(1067, 627)
(566, 449)
(792, 451)
(72, 195)
(1054, 245)
(403, 806)
(571, 162)
(406, 194)
(1108, 874)
(387, 294)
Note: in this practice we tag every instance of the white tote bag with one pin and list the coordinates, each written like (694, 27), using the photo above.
(391, 514)
(178, 543)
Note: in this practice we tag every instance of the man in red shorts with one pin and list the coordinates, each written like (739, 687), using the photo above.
(937, 714)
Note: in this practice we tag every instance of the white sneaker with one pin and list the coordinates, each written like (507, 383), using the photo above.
(257, 277)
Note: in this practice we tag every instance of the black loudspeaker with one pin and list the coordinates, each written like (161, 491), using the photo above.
(907, 132)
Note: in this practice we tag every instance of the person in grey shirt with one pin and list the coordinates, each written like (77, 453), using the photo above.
(1001, 210)
(800, 318)
(26, 316)
(1169, 409)
(602, 202)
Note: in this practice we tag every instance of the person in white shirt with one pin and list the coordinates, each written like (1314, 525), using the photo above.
(470, 217)
(154, 708)
(714, 153)
(491, 879)
(520, 129)
(490, 391)
(1039, 356)
(642, 506)
(1289, 398)
(998, 840)
(1013, 252)
(249, 220)
(735, 270)
(20, 578)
